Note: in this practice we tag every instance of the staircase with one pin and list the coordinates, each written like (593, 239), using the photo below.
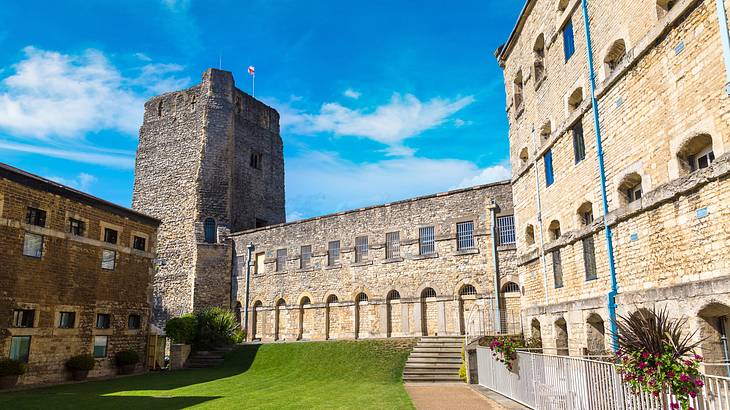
(208, 358)
(434, 359)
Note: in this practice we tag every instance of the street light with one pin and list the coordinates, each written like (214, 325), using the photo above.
(250, 248)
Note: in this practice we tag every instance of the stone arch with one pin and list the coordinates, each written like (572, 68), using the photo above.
(615, 55)
(714, 329)
(562, 5)
(210, 230)
(561, 337)
(535, 341)
(510, 287)
(524, 155)
(538, 50)
(585, 214)
(529, 234)
(393, 314)
(696, 152)
(333, 313)
(306, 318)
(468, 295)
(575, 99)
(509, 301)
(630, 188)
(554, 229)
(595, 335)
(257, 320)
(362, 315)
(280, 320)
(429, 311)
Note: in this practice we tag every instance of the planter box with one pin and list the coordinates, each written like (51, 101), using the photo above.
(178, 356)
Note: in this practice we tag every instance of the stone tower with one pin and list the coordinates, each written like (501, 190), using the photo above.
(209, 162)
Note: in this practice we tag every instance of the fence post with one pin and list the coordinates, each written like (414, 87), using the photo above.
(534, 378)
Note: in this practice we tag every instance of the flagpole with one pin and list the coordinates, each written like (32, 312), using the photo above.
(253, 85)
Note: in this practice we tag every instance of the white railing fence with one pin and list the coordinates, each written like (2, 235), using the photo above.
(541, 381)
(481, 320)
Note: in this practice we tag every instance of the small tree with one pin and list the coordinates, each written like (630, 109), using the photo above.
(654, 356)
(183, 329)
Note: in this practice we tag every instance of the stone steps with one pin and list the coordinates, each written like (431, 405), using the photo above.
(434, 360)
(208, 358)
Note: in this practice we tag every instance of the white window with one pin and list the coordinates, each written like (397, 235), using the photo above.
(426, 240)
(33, 245)
(465, 235)
(506, 229)
(703, 159)
(361, 248)
(100, 345)
(634, 193)
(108, 259)
(392, 245)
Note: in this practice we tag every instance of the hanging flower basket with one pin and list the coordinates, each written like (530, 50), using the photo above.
(504, 349)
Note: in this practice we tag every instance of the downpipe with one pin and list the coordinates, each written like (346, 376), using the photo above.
(725, 39)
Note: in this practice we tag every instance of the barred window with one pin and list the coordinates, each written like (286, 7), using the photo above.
(392, 245)
(361, 297)
(589, 258)
(506, 229)
(465, 235)
(393, 295)
(361, 248)
(511, 287)
(468, 290)
(280, 260)
(426, 240)
(23, 317)
(333, 253)
(332, 299)
(305, 260)
(428, 293)
(557, 269)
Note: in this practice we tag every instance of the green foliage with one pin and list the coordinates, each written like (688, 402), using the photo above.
(10, 367)
(462, 368)
(126, 357)
(216, 327)
(655, 357)
(81, 362)
(183, 329)
(504, 349)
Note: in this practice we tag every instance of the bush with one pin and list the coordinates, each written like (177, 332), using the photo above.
(183, 329)
(462, 368)
(10, 367)
(126, 357)
(216, 327)
(81, 362)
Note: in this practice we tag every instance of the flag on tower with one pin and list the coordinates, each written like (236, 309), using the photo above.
(251, 70)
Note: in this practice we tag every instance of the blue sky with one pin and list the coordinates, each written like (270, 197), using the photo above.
(380, 100)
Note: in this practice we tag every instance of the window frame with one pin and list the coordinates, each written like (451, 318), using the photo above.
(694, 160)
(130, 322)
(305, 262)
(568, 34)
(108, 321)
(136, 239)
(76, 227)
(579, 145)
(557, 264)
(38, 254)
(281, 256)
(210, 230)
(105, 260)
(262, 266)
(333, 253)
(589, 258)
(361, 249)
(21, 320)
(465, 236)
(506, 233)
(61, 315)
(95, 345)
(25, 358)
(110, 233)
(36, 217)
(392, 245)
(427, 240)
(548, 165)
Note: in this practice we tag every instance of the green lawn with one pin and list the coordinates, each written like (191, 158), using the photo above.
(321, 375)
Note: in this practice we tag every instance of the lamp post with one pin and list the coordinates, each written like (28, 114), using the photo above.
(250, 248)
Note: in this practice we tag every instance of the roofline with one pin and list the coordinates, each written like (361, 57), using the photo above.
(367, 208)
(503, 52)
(35, 181)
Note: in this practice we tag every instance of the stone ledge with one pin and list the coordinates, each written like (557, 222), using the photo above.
(336, 266)
(463, 252)
(428, 256)
(365, 263)
(393, 260)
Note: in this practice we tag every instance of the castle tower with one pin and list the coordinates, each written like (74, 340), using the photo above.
(209, 162)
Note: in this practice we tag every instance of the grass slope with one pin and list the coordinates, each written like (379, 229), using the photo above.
(321, 375)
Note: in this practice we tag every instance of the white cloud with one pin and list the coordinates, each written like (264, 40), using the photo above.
(458, 123)
(54, 95)
(85, 154)
(403, 117)
(82, 182)
(350, 93)
(322, 182)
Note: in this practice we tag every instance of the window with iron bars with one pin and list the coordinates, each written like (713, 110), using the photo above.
(426, 240)
(506, 229)
(333, 253)
(392, 245)
(465, 235)
(361, 248)
(280, 260)
(305, 260)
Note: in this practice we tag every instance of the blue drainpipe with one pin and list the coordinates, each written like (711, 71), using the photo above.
(602, 172)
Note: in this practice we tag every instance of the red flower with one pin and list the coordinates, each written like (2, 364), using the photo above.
(684, 378)
(645, 355)
(699, 383)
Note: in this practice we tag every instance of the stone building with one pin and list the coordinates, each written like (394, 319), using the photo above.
(75, 276)
(209, 162)
(210, 167)
(422, 266)
(664, 113)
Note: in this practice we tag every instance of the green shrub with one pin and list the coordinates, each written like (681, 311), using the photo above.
(126, 357)
(10, 367)
(462, 369)
(81, 362)
(216, 327)
(183, 329)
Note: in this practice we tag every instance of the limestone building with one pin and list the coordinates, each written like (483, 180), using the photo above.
(661, 75)
(210, 167)
(75, 276)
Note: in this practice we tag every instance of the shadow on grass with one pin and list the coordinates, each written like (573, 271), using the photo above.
(132, 392)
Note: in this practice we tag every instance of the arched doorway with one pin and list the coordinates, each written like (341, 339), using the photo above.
(714, 326)
(331, 325)
(306, 319)
(256, 319)
(238, 315)
(429, 312)
(393, 314)
(280, 320)
(362, 315)
(535, 340)
(561, 338)
(467, 301)
(595, 336)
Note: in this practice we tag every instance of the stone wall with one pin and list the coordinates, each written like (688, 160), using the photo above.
(658, 103)
(68, 277)
(321, 301)
(194, 162)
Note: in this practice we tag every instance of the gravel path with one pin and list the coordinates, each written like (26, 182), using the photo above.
(447, 396)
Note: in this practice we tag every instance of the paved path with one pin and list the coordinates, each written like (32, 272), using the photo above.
(448, 396)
